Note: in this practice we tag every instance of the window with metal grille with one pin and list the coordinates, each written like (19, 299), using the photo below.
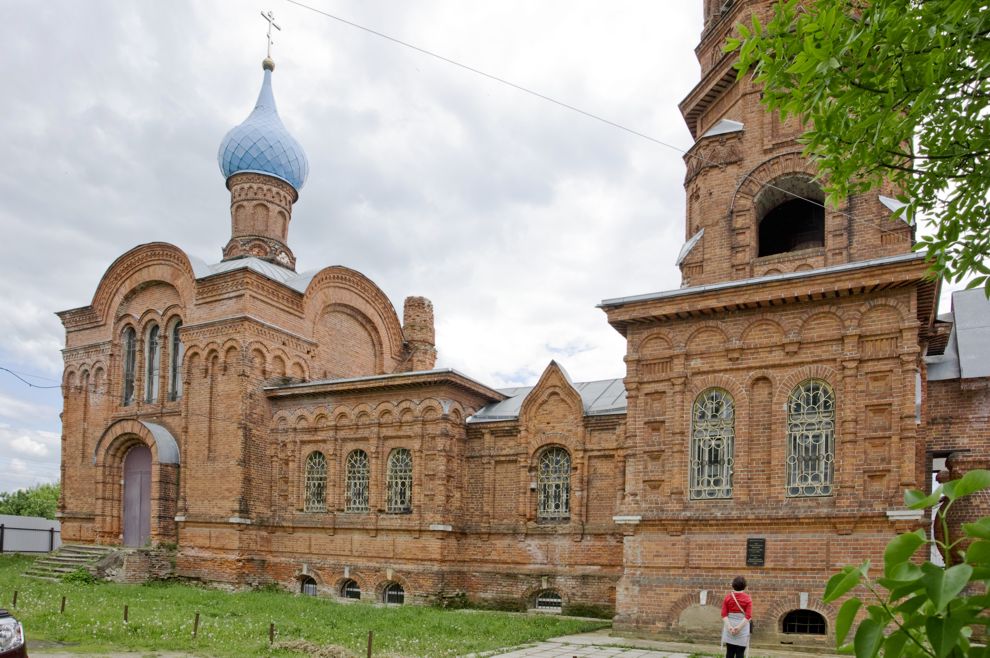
(175, 353)
(398, 485)
(553, 485)
(356, 482)
(810, 439)
(805, 622)
(350, 590)
(713, 430)
(129, 340)
(307, 586)
(549, 600)
(152, 364)
(316, 483)
(394, 594)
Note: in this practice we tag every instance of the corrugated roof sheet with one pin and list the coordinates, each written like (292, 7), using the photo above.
(606, 396)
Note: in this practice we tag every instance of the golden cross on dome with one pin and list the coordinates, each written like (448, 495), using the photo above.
(270, 17)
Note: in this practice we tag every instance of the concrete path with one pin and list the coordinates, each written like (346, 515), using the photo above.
(599, 644)
(602, 644)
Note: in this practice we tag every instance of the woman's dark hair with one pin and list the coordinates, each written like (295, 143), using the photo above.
(739, 583)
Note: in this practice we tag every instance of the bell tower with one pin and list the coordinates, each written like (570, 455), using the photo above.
(755, 206)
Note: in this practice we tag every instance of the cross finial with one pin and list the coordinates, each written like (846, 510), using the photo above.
(270, 17)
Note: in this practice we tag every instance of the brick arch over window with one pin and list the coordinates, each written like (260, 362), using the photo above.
(156, 262)
(349, 288)
(779, 609)
(108, 458)
(747, 208)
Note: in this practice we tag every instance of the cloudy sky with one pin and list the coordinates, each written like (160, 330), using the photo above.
(514, 215)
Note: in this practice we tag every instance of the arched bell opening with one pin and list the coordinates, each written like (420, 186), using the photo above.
(791, 216)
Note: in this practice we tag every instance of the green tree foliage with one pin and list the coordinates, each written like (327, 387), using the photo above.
(920, 608)
(893, 90)
(39, 500)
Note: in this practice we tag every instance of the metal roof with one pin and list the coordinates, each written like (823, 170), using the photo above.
(688, 246)
(967, 354)
(599, 398)
(282, 275)
(728, 285)
(261, 144)
(724, 126)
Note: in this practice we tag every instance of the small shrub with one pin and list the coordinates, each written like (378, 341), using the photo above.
(270, 588)
(592, 610)
(455, 601)
(80, 576)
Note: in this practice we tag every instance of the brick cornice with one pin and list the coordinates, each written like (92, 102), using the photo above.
(764, 292)
(387, 382)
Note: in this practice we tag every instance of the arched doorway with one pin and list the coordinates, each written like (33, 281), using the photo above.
(137, 496)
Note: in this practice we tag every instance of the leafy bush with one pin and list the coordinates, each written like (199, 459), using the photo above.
(592, 610)
(80, 576)
(927, 609)
(40, 500)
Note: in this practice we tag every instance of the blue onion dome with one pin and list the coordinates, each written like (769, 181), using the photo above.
(262, 144)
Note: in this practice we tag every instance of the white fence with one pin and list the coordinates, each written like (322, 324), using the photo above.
(29, 534)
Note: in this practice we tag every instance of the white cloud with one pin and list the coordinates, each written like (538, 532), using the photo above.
(26, 445)
(514, 215)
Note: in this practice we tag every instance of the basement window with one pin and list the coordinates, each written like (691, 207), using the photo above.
(350, 590)
(804, 622)
(307, 586)
(394, 594)
(549, 601)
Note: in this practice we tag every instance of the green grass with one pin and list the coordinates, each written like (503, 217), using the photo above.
(236, 624)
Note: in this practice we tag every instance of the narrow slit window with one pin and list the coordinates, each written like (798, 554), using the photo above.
(153, 362)
(130, 358)
(175, 353)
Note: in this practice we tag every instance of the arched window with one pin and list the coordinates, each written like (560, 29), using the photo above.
(152, 363)
(175, 354)
(350, 590)
(129, 347)
(307, 586)
(805, 622)
(398, 484)
(810, 439)
(792, 215)
(356, 482)
(394, 594)
(713, 423)
(549, 600)
(553, 485)
(316, 483)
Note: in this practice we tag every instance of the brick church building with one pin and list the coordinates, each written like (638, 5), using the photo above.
(292, 428)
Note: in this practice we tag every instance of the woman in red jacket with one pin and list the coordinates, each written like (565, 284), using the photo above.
(737, 611)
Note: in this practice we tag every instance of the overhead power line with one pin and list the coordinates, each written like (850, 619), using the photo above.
(567, 106)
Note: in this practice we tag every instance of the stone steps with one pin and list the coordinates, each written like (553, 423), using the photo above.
(68, 558)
